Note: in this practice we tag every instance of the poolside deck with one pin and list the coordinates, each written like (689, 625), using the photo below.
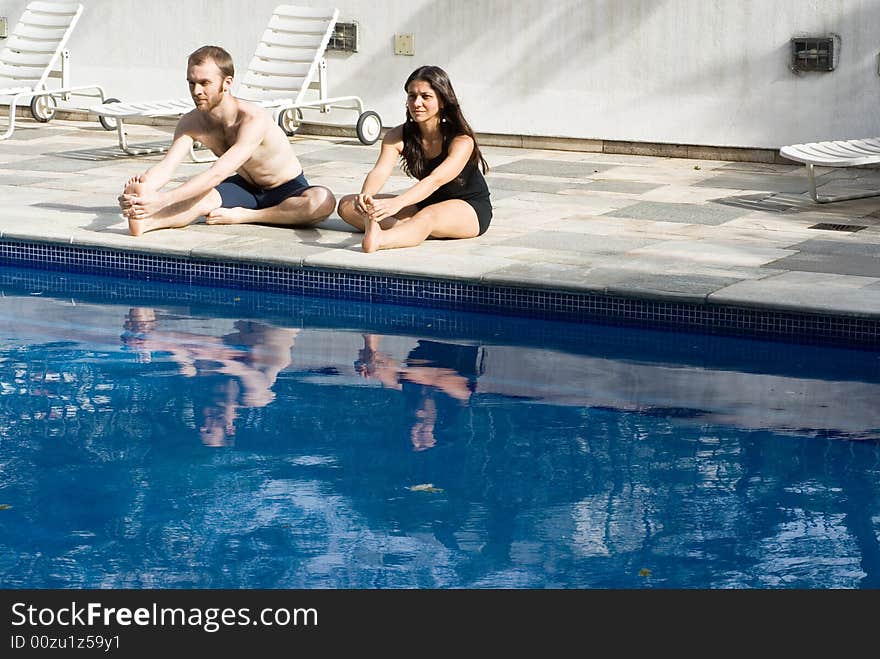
(687, 231)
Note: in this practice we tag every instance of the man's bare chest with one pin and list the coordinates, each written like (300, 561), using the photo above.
(218, 141)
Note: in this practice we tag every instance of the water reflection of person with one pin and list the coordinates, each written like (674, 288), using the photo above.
(432, 373)
(242, 366)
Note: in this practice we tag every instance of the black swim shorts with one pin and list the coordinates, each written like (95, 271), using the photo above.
(481, 205)
(236, 192)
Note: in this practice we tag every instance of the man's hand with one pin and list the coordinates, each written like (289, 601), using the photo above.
(139, 206)
(126, 205)
(135, 186)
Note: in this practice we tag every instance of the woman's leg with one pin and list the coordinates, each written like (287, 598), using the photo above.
(349, 213)
(453, 218)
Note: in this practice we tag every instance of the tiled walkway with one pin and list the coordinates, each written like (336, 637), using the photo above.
(693, 232)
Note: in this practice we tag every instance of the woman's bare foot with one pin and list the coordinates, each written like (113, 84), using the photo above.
(229, 216)
(372, 236)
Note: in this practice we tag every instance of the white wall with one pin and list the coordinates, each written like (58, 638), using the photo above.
(712, 72)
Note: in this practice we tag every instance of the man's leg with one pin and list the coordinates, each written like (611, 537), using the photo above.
(307, 209)
(174, 216)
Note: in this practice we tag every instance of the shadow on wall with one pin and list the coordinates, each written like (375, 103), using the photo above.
(722, 85)
(563, 36)
(504, 57)
(156, 37)
(709, 91)
(514, 51)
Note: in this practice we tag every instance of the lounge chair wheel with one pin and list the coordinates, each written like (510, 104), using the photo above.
(290, 121)
(109, 123)
(369, 127)
(43, 108)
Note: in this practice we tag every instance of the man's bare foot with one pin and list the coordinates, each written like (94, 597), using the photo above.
(142, 225)
(372, 236)
(229, 216)
(136, 227)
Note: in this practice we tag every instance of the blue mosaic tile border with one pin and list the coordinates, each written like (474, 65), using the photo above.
(451, 295)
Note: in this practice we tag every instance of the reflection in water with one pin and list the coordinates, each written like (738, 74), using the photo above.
(239, 369)
(432, 370)
(435, 460)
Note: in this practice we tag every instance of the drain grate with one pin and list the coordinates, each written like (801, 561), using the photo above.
(826, 226)
(773, 203)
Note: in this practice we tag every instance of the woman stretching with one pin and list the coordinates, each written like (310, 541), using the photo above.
(436, 146)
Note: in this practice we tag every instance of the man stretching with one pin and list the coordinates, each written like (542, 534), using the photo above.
(257, 178)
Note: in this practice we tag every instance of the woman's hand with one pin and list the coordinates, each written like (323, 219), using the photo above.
(360, 205)
(379, 209)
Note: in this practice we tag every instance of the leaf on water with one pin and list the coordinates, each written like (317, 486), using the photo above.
(425, 487)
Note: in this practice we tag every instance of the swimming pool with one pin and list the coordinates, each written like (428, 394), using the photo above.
(158, 436)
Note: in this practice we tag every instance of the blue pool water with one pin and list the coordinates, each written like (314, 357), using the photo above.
(168, 437)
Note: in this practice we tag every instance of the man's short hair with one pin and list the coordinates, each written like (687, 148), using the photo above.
(221, 58)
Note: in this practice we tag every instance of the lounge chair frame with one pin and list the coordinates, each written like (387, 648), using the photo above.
(264, 83)
(35, 52)
(839, 153)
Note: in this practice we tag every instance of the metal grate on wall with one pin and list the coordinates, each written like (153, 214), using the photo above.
(344, 38)
(814, 53)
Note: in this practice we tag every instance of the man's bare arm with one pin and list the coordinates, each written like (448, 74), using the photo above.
(144, 188)
(159, 174)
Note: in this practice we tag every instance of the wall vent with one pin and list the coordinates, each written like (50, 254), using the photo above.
(344, 38)
(814, 53)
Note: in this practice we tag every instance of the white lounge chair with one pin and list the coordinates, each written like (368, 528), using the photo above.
(30, 57)
(287, 63)
(840, 153)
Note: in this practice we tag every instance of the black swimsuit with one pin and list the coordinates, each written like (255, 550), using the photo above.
(470, 186)
(465, 360)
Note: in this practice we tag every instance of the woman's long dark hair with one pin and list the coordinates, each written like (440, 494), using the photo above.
(452, 124)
